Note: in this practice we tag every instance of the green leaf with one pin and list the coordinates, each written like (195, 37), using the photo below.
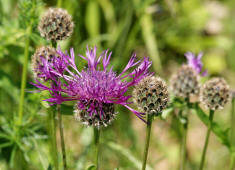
(216, 128)
(125, 152)
(148, 35)
(166, 112)
(91, 167)
(3, 145)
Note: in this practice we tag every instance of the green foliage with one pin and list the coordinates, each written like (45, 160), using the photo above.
(128, 155)
(19, 139)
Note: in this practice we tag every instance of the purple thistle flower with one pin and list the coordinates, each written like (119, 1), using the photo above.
(195, 62)
(96, 88)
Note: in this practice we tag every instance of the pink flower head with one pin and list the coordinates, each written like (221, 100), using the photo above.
(195, 62)
(95, 86)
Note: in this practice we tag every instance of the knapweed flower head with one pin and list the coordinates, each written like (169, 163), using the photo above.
(215, 93)
(96, 88)
(195, 62)
(151, 95)
(185, 82)
(43, 55)
(56, 24)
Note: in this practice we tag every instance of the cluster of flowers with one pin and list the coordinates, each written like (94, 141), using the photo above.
(97, 88)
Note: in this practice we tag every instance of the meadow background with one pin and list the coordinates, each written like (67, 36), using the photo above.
(163, 30)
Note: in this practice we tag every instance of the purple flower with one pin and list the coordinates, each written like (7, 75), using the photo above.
(96, 87)
(195, 62)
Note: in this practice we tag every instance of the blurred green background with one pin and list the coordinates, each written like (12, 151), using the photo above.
(163, 30)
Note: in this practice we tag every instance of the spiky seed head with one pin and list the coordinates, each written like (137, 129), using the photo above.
(56, 24)
(45, 52)
(215, 93)
(151, 95)
(185, 82)
(96, 120)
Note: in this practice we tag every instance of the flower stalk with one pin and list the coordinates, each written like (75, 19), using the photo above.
(232, 162)
(148, 131)
(52, 131)
(24, 74)
(207, 139)
(96, 144)
(58, 109)
(183, 151)
(62, 137)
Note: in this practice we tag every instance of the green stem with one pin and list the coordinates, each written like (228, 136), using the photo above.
(24, 74)
(232, 122)
(54, 44)
(183, 147)
(62, 137)
(59, 3)
(232, 162)
(96, 143)
(207, 139)
(148, 130)
(52, 131)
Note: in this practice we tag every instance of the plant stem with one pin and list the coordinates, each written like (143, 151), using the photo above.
(148, 130)
(62, 137)
(52, 130)
(232, 163)
(183, 147)
(96, 143)
(54, 44)
(24, 74)
(232, 122)
(59, 3)
(207, 139)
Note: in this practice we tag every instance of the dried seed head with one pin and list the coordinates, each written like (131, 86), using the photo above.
(56, 24)
(151, 95)
(185, 83)
(96, 120)
(215, 93)
(46, 53)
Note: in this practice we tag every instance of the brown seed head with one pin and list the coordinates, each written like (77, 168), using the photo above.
(56, 24)
(151, 95)
(45, 52)
(95, 120)
(185, 83)
(215, 93)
